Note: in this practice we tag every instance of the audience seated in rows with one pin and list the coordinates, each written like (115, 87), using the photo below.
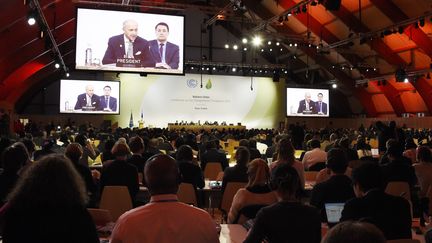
(423, 171)
(287, 220)
(410, 150)
(285, 155)
(106, 154)
(164, 219)
(253, 151)
(398, 168)
(48, 205)
(338, 188)
(314, 159)
(190, 172)
(391, 214)
(119, 172)
(237, 173)
(364, 150)
(257, 191)
(89, 151)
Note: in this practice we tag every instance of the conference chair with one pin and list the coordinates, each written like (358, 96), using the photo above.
(399, 188)
(100, 216)
(116, 199)
(228, 195)
(220, 176)
(212, 170)
(186, 194)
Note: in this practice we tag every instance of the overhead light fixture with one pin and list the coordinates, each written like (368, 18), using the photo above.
(31, 20)
(244, 41)
(406, 80)
(235, 47)
(67, 75)
(256, 41)
(334, 86)
(269, 43)
(226, 46)
(277, 43)
(245, 49)
(400, 75)
(57, 65)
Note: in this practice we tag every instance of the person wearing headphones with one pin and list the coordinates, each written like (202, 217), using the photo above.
(287, 220)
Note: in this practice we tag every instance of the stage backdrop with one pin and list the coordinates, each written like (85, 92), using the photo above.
(160, 100)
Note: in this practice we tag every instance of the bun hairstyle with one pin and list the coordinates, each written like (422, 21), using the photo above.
(285, 179)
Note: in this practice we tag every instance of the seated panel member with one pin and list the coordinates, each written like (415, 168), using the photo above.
(306, 106)
(107, 102)
(165, 54)
(88, 100)
(128, 45)
(320, 106)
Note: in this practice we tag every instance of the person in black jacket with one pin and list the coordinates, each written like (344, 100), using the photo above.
(391, 214)
(288, 220)
(119, 172)
(338, 188)
(190, 172)
(213, 155)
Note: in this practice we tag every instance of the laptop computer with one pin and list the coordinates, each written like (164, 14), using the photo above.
(333, 212)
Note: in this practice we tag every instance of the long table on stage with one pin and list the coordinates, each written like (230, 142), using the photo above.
(197, 128)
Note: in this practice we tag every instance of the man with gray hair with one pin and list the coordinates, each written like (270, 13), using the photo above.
(306, 106)
(128, 45)
(164, 219)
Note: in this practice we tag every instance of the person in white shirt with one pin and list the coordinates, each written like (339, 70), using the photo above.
(164, 219)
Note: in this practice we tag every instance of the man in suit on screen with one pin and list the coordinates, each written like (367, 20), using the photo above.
(306, 106)
(165, 54)
(320, 106)
(88, 101)
(107, 102)
(128, 45)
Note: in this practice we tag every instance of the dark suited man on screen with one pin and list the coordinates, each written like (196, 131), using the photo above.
(306, 106)
(320, 106)
(88, 100)
(128, 45)
(107, 102)
(165, 54)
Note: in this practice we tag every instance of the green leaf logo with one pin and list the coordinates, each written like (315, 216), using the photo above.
(209, 84)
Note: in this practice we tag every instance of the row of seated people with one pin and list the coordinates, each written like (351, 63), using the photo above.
(285, 156)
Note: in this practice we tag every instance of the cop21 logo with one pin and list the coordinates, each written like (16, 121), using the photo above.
(192, 83)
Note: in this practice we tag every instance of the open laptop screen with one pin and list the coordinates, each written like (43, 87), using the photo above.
(334, 212)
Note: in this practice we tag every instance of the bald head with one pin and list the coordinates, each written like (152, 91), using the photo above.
(161, 175)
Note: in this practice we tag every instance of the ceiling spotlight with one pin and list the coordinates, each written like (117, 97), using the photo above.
(235, 47)
(271, 49)
(406, 80)
(234, 69)
(269, 43)
(31, 20)
(256, 41)
(281, 49)
(67, 75)
(295, 57)
(214, 68)
(286, 72)
(245, 49)
(295, 44)
(277, 43)
(226, 46)
(333, 66)
(290, 44)
(351, 68)
(207, 68)
(343, 67)
(334, 86)
(262, 50)
(367, 69)
(244, 40)
(57, 65)
(374, 69)
(310, 45)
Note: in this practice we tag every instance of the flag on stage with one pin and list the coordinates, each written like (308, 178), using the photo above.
(131, 123)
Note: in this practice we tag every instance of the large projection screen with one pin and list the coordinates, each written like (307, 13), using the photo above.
(121, 41)
(89, 97)
(308, 102)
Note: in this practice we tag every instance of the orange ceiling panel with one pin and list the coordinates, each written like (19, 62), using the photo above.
(381, 103)
(339, 29)
(370, 17)
(401, 86)
(413, 8)
(354, 5)
(373, 88)
(422, 61)
(321, 14)
(413, 102)
(398, 41)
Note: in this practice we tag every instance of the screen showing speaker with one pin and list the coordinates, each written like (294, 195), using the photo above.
(308, 102)
(89, 97)
(122, 41)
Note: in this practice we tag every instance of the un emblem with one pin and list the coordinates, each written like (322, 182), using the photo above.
(192, 83)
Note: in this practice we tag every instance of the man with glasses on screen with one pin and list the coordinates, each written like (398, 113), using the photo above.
(165, 54)
(320, 106)
(107, 102)
(128, 46)
(88, 101)
(306, 106)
